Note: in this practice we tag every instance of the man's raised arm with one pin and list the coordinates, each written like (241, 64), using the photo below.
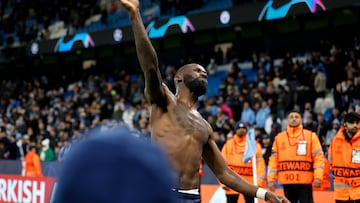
(146, 53)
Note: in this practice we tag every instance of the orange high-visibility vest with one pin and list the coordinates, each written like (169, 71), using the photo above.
(297, 157)
(233, 152)
(345, 164)
(32, 165)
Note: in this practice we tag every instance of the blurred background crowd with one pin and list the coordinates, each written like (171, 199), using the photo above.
(323, 88)
(24, 21)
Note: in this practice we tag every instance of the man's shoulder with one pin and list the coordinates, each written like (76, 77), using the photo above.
(339, 136)
(229, 140)
(280, 134)
(311, 133)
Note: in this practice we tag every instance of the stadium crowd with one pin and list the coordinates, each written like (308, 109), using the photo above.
(25, 21)
(323, 87)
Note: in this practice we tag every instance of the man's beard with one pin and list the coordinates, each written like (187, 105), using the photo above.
(196, 86)
(353, 131)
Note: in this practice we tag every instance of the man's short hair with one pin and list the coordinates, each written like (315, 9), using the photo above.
(295, 111)
(351, 117)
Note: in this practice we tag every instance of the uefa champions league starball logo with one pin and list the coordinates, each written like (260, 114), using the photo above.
(270, 13)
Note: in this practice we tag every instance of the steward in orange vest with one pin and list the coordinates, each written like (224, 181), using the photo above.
(296, 161)
(344, 157)
(32, 163)
(233, 152)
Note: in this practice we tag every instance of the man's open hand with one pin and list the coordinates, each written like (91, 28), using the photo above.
(130, 5)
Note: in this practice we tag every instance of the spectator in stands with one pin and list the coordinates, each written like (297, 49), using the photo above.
(308, 110)
(330, 134)
(212, 67)
(128, 116)
(225, 105)
(335, 114)
(320, 82)
(321, 128)
(357, 105)
(170, 72)
(351, 70)
(258, 133)
(65, 148)
(46, 153)
(222, 124)
(24, 145)
(281, 102)
(273, 126)
(53, 136)
(247, 114)
(262, 115)
(233, 71)
(271, 97)
(229, 83)
(2, 149)
(232, 101)
(143, 129)
(350, 91)
(12, 150)
(119, 107)
(289, 98)
(310, 123)
(220, 139)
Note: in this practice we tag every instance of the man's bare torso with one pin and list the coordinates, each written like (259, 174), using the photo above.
(182, 132)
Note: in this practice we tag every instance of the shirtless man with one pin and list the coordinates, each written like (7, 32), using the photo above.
(178, 127)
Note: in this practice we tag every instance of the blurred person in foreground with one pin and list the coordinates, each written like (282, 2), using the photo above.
(344, 158)
(297, 160)
(178, 127)
(114, 166)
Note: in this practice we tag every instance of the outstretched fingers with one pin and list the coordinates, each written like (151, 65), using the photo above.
(278, 199)
(283, 199)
